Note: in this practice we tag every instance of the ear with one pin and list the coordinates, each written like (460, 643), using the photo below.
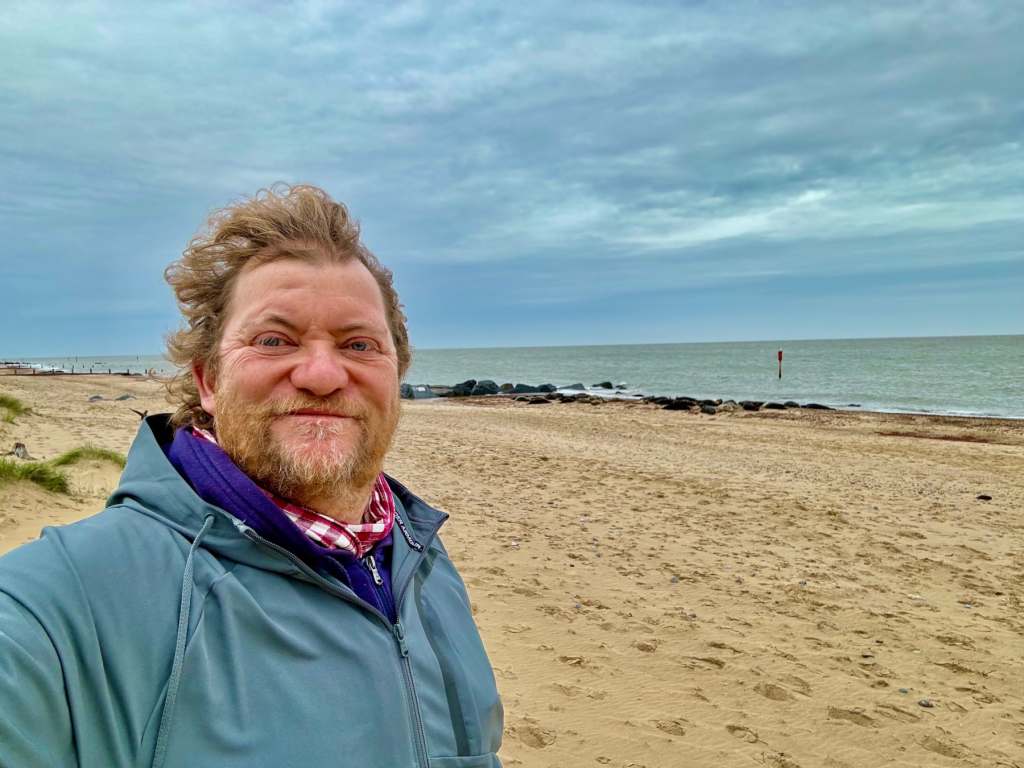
(205, 384)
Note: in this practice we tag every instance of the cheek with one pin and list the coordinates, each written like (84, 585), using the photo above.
(258, 379)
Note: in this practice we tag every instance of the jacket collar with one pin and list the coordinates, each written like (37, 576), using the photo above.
(151, 485)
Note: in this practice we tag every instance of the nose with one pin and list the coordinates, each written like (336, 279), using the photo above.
(321, 371)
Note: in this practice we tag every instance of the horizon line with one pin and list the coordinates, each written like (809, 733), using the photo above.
(4, 358)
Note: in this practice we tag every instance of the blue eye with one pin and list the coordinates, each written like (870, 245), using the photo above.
(360, 346)
(270, 341)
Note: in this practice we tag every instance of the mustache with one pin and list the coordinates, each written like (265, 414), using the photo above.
(330, 407)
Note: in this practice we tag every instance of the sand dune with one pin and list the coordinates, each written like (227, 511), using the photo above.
(663, 589)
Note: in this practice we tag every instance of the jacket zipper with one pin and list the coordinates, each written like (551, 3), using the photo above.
(417, 718)
(397, 630)
(386, 598)
(371, 565)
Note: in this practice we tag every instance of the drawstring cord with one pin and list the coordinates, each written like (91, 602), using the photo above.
(179, 648)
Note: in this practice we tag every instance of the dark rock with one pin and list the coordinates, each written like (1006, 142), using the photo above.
(774, 406)
(422, 392)
(95, 398)
(853, 405)
(751, 405)
(522, 399)
(406, 392)
(817, 407)
(979, 497)
(525, 389)
(485, 387)
(508, 387)
(926, 703)
(546, 388)
(539, 401)
(577, 385)
(605, 385)
(791, 404)
(709, 402)
(679, 404)
(125, 396)
(554, 397)
(710, 410)
(464, 388)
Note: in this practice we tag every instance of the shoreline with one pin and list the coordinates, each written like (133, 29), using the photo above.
(1010, 420)
(609, 398)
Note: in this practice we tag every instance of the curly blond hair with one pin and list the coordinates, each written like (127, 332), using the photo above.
(280, 222)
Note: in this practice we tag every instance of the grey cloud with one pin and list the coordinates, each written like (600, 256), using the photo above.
(532, 141)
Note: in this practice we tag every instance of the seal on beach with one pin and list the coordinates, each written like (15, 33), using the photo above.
(257, 591)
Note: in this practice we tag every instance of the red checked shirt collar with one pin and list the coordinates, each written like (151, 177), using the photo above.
(357, 538)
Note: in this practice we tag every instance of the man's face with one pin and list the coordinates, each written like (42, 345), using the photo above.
(305, 396)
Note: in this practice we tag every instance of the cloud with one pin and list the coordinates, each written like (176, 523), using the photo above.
(551, 155)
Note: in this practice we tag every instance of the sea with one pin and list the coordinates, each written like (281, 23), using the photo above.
(955, 375)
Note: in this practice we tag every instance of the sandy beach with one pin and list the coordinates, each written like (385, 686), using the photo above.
(784, 589)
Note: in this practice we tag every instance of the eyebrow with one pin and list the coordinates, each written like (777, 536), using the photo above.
(283, 321)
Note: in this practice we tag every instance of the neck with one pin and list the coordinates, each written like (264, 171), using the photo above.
(346, 505)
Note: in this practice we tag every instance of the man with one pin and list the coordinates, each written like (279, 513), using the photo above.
(256, 593)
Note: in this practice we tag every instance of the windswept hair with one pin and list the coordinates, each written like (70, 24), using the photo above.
(282, 222)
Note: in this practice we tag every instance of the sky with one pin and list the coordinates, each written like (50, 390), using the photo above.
(533, 173)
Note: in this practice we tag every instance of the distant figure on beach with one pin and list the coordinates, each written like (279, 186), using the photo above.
(257, 592)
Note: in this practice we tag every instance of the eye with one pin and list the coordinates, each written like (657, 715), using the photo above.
(361, 345)
(270, 340)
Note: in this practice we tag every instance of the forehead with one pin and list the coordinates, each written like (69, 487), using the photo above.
(321, 289)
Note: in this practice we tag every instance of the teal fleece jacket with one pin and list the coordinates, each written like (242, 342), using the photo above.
(163, 632)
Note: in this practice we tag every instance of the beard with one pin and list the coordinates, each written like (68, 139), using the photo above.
(316, 459)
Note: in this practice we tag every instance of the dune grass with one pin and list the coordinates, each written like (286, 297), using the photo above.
(38, 472)
(88, 452)
(11, 407)
(46, 474)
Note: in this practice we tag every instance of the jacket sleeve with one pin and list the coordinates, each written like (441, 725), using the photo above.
(35, 720)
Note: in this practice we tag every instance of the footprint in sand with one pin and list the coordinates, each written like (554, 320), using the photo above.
(777, 760)
(743, 733)
(855, 716)
(672, 727)
(897, 713)
(702, 662)
(940, 747)
(724, 647)
(533, 735)
(575, 661)
(773, 692)
(572, 691)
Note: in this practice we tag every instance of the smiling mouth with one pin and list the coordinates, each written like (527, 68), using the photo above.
(310, 414)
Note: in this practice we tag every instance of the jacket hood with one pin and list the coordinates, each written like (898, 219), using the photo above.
(152, 486)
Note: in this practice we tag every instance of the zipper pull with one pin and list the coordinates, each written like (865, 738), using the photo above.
(399, 632)
(372, 565)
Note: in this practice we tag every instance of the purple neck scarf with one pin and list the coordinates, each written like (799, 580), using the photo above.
(216, 478)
